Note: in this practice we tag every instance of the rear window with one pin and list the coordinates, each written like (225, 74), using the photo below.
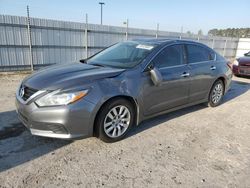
(197, 54)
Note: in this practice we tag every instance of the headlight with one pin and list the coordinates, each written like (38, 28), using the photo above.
(57, 98)
(236, 62)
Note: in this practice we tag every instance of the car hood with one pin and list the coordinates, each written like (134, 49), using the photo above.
(68, 75)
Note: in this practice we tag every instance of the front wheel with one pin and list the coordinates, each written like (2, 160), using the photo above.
(115, 120)
(216, 94)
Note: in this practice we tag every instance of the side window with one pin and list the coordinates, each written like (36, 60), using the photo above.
(170, 56)
(197, 53)
(212, 55)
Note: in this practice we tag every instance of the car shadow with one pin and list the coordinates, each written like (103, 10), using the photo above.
(147, 124)
(243, 76)
(237, 88)
(18, 146)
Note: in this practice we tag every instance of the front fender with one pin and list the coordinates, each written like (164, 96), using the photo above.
(108, 88)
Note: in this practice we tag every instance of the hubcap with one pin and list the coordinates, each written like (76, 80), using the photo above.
(217, 93)
(117, 121)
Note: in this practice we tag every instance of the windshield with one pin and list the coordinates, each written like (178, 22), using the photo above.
(122, 55)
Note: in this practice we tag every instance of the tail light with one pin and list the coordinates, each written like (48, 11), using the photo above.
(236, 62)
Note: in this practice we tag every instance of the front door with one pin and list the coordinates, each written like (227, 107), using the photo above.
(173, 91)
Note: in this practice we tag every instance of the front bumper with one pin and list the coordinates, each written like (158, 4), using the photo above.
(67, 122)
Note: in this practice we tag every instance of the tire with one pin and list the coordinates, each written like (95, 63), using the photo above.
(115, 120)
(216, 93)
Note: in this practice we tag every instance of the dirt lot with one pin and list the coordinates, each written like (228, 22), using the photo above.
(193, 147)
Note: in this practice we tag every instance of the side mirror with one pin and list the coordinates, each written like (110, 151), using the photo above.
(156, 76)
(83, 60)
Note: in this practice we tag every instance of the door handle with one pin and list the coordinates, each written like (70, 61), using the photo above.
(185, 74)
(213, 67)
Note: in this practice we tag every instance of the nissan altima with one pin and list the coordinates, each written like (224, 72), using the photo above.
(119, 87)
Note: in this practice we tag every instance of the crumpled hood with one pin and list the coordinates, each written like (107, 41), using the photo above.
(68, 75)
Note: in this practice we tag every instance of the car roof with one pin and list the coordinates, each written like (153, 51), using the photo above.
(164, 41)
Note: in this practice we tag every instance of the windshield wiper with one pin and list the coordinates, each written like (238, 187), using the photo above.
(97, 64)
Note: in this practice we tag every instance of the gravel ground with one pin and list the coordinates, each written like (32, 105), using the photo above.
(193, 147)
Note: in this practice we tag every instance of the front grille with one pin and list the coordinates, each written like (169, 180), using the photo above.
(244, 70)
(245, 64)
(28, 92)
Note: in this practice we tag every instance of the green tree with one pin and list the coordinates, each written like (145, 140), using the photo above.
(231, 32)
(189, 33)
(200, 33)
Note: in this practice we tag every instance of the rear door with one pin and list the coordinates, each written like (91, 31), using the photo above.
(202, 64)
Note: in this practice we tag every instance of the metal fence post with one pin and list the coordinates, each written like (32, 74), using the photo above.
(157, 30)
(181, 32)
(86, 36)
(213, 44)
(224, 50)
(30, 40)
(127, 30)
(236, 49)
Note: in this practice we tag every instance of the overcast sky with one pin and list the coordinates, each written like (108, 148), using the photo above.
(171, 15)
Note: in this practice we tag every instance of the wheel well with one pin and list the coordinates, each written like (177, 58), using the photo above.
(224, 84)
(128, 98)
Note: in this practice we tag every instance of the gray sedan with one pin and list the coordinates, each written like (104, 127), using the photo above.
(117, 88)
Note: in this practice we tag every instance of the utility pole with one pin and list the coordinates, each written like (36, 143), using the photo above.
(101, 3)
(86, 36)
(29, 38)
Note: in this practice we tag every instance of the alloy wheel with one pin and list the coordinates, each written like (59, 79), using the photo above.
(217, 93)
(117, 121)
